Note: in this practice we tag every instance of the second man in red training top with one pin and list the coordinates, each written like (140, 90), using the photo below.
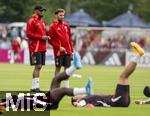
(61, 40)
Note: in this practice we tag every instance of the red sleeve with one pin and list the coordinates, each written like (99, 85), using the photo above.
(30, 30)
(53, 41)
(70, 38)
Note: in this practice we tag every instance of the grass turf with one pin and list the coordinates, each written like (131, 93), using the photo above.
(17, 77)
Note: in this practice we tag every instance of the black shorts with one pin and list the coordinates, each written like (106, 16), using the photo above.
(64, 60)
(122, 93)
(37, 58)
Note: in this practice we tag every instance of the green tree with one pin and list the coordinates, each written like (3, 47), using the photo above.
(101, 10)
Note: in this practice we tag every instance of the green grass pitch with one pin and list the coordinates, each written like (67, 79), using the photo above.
(17, 77)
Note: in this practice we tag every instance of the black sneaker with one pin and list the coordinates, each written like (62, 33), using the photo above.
(35, 90)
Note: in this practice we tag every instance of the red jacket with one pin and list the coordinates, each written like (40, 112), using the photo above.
(15, 45)
(36, 28)
(60, 34)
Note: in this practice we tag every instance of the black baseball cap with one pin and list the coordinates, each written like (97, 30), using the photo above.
(40, 8)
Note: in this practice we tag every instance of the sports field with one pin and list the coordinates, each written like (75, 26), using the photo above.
(17, 77)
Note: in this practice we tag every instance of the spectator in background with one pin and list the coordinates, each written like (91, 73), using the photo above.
(13, 32)
(16, 48)
(36, 32)
(5, 42)
(61, 40)
(24, 44)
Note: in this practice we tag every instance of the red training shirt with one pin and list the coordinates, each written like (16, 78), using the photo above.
(60, 34)
(36, 28)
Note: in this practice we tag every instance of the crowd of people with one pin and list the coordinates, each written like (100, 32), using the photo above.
(13, 39)
(9, 35)
(95, 40)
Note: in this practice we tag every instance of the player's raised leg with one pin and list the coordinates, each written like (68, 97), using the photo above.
(69, 71)
(132, 65)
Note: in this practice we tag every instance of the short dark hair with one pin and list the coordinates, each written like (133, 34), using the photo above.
(146, 91)
(59, 10)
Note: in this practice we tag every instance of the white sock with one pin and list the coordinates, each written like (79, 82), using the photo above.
(66, 83)
(79, 91)
(35, 83)
(135, 59)
(69, 71)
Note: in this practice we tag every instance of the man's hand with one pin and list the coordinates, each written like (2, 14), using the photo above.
(46, 38)
(62, 49)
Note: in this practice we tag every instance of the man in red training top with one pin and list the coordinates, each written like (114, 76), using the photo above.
(36, 32)
(61, 40)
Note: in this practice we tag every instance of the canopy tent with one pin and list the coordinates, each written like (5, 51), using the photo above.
(127, 19)
(17, 24)
(81, 18)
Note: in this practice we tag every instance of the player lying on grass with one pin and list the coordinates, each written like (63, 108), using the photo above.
(146, 92)
(52, 98)
(121, 97)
